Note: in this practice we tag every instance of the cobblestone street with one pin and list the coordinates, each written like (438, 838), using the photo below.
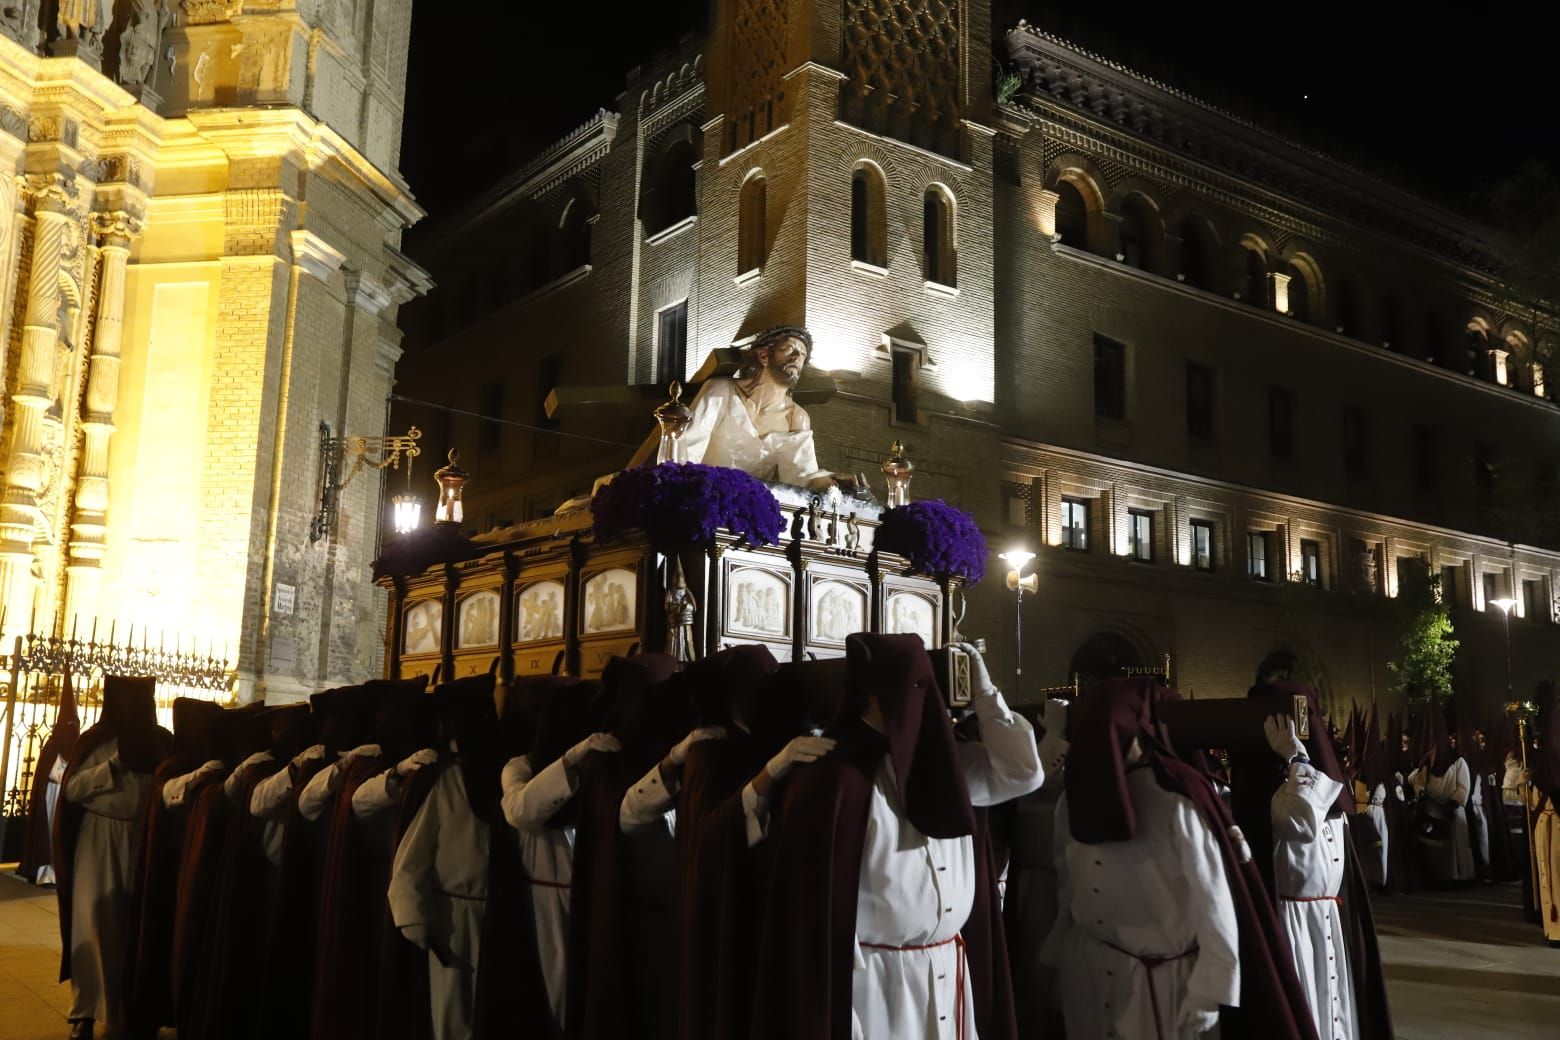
(1460, 966)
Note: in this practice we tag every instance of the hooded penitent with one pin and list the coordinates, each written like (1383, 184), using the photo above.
(807, 941)
(129, 717)
(612, 901)
(717, 875)
(37, 849)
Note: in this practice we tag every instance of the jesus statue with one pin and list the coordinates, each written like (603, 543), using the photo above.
(752, 423)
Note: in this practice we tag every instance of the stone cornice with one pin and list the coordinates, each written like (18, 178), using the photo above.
(315, 255)
(582, 148)
(406, 279)
(1063, 79)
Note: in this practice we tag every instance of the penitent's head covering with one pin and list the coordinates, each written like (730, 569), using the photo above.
(130, 715)
(1374, 765)
(404, 719)
(468, 716)
(290, 729)
(1438, 740)
(194, 729)
(1102, 726)
(1318, 746)
(343, 717)
(648, 701)
(726, 684)
(523, 705)
(898, 673)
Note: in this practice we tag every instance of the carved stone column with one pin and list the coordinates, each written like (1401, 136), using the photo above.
(30, 396)
(89, 523)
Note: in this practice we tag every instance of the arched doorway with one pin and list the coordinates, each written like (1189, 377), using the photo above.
(1105, 655)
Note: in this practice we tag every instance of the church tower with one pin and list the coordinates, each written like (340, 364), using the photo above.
(848, 156)
(200, 220)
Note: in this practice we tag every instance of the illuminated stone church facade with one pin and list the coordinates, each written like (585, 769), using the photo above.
(1232, 391)
(200, 215)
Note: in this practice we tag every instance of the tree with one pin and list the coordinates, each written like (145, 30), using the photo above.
(1426, 649)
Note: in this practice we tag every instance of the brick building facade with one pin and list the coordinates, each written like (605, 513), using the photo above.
(1254, 378)
(200, 217)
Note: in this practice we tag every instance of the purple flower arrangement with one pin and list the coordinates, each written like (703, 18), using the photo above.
(678, 504)
(938, 539)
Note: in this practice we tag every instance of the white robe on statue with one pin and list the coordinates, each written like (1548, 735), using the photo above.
(916, 893)
(107, 850)
(1453, 788)
(1145, 928)
(721, 433)
(1309, 839)
(547, 854)
(438, 896)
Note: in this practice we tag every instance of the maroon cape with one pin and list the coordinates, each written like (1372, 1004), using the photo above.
(404, 1012)
(352, 912)
(200, 873)
(806, 951)
(148, 968)
(290, 950)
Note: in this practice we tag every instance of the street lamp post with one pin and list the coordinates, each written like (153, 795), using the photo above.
(1017, 559)
(1506, 605)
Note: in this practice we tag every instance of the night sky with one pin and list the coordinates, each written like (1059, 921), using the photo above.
(1440, 106)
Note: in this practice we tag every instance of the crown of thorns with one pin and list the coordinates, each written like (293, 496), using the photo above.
(779, 334)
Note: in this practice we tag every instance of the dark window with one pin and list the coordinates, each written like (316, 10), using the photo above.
(1199, 400)
(1299, 293)
(671, 342)
(1311, 562)
(1281, 423)
(1355, 459)
(1533, 600)
(1449, 585)
(1075, 524)
(1424, 460)
(1110, 378)
(1202, 545)
(1196, 267)
(938, 256)
(1348, 308)
(868, 205)
(906, 363)
(1411, 571)
(489, 433)
(1491, 590)
(1256, 279)
(672, 196)
(753, 225)
(1072, 216)
(1257, 555)
(1484, 472)
(1392, 324)
(1138, 241)
(1140, 534)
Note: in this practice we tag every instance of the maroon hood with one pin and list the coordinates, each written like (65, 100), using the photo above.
(898, 671)
(1318, 746)
(1102, 725)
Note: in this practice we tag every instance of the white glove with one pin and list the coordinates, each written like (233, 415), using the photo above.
(313, 754)
(679, 753)
(207, 768)
(594, 742)
(1053, 746)
(799, 751)
(1398, 790)
(416, 934)
(1280, 730)
(415, 761)
(1196, 1021)
(980, 678)
(361, 751)
(254, 759)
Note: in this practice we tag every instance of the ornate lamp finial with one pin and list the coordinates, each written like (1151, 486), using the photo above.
(898, 471)
(673, 417)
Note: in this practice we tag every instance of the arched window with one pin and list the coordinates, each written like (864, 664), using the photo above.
(1347, 308)
(1256, 290)
(572, 250)
(939, 252)
(1072, 216)
(868, 216)
(1139, 234)
(672, 196)
(1196, 254)
(753, 224)
(1299, 292)
(1476, 346)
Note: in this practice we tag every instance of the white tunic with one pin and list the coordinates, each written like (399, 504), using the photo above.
(438, 894)
(377, 794)
(107, 849)
(1376, 809)
(548, 856)
(1481, 822)
(1452, 787)
(916, 893)
(1146, 927)
(1308, 868)
(721, 433)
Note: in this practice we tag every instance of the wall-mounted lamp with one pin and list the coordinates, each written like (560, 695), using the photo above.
(452, 488)
(374, 452)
